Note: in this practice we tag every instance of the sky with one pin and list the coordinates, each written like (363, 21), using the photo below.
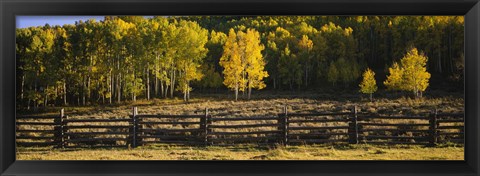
(28, 21)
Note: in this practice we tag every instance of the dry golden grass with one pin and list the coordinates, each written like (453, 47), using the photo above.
(310, 152)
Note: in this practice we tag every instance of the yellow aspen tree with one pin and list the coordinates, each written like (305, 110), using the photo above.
(306, 46)
(232, 63)
(255, 66)
(243, 62)
(368, 84)
(243, 59)
(191, 51)
(394, 79)
(410, 75)
(415, 75)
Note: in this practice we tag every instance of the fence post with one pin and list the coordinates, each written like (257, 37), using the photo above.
(63, 129)
(59, 129)
(283, 126)
(433, 128)
(133, 128)
(353, 129)
(204, 126)
(208, 130)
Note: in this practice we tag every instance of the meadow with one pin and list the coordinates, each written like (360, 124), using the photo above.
(270, 103)
(248, 152)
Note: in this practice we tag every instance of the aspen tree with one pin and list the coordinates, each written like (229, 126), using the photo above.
(368, 84)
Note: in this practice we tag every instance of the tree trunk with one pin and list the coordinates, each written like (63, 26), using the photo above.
(249, 91)
(118, 88)
(161, 89)
(21, 89)
(134, 96)
(166, 90)
(185, 95)
(156, 86)
(65, 93)
(188, 94)
(110, 87)
(371, 97)
(236, 92)
(28, 104)
(243, 78)
(172, 85)
(46, 97)
(118, 81)
(83, 91)
(156, 75)
(88, 89)
(148, 84)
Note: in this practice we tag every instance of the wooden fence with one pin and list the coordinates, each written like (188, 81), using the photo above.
(285, 128)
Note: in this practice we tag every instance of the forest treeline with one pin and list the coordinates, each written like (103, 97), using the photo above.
(125, 57)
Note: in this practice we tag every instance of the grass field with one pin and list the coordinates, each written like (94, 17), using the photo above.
(271, 103)
(245, 152)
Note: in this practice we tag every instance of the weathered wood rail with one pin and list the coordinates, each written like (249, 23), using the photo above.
(286, 129)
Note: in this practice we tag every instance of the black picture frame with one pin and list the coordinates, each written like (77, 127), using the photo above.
(10, 8)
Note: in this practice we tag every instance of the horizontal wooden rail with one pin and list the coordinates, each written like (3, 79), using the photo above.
(169, 137)
(97, 133)
(169, 116)
(36, 131)
(366, 117)
(393, 130)
(450, 127)
(95, 120)
(36, 123)
(96, 139)
(450, 121)
(454, 115)
(242, 118)
(168, 123)
(244, 126)
(37, 117)
(169, 130)
(440, 133)
(318, 120)
(318, 114)
(395, 124)
(35, 137)
(397, 137)
(244, 139)
(320, 128)
(317, 141)
(245, 133)
(96, 126)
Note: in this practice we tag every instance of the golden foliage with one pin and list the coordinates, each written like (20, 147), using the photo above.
(369, 84)
(412, 75)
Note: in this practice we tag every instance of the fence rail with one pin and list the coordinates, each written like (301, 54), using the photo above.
(285, 128)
